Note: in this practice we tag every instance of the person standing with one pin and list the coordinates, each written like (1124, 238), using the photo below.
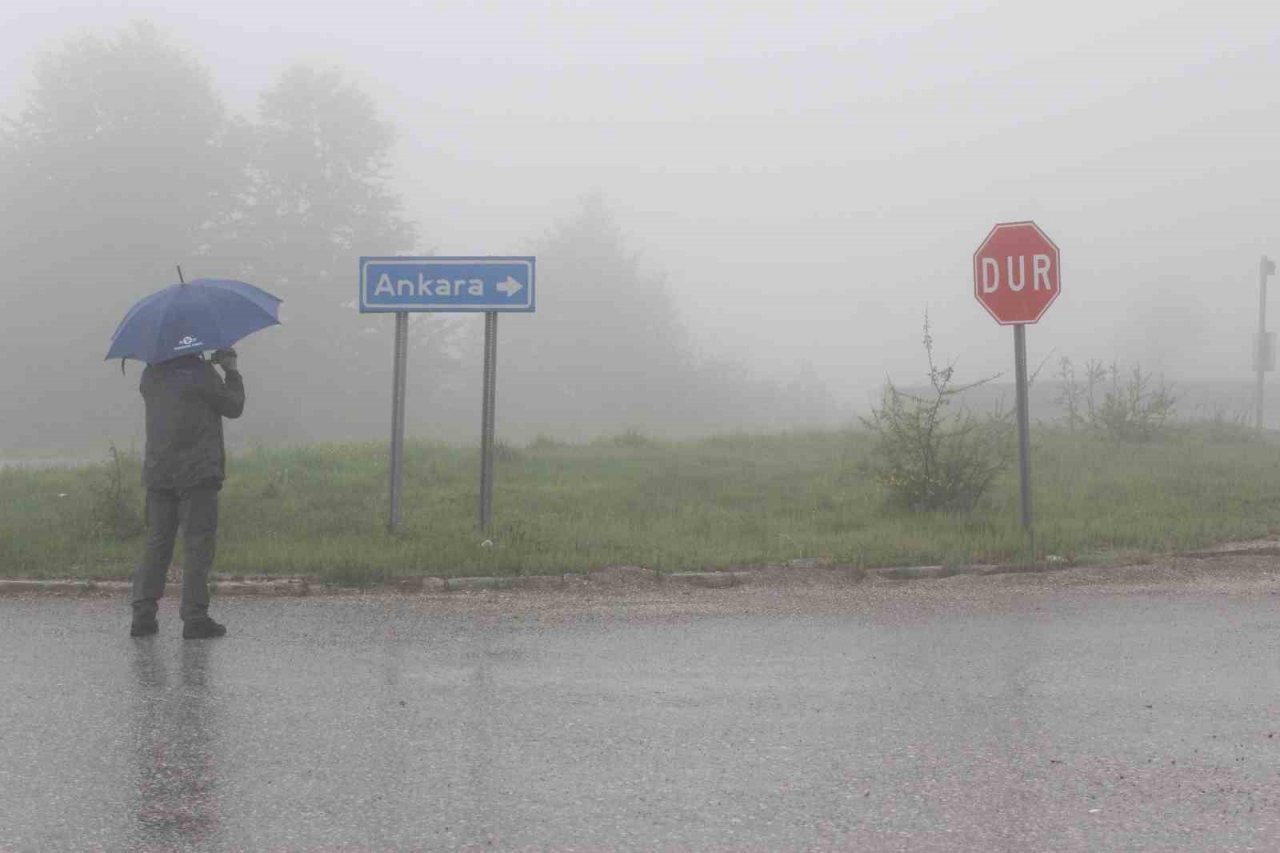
(183, 471)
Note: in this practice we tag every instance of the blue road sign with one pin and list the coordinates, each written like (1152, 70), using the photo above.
(446, 284)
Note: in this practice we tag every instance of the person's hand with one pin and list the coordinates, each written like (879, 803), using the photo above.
(226, 358)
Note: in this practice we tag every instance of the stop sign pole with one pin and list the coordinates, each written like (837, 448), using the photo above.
(1016, 278)
(1024, 431)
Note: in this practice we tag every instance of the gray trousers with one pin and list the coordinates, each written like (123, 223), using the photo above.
(196, 511)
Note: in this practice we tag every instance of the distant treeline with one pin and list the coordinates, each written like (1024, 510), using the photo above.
(125, 161)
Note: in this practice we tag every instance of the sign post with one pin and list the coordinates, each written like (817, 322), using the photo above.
(488, 285)
(1263, 356)
(1024, 430)
(486, 417)
(1016, 277)
(397, 418)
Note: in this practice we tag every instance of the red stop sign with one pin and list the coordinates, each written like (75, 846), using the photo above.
(1016, 273)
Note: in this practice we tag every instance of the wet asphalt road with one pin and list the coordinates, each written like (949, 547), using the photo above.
(1132, 709)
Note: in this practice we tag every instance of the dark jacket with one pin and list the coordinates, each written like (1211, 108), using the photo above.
(186, 402)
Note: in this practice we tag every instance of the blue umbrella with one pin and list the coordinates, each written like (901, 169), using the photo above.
(204, 314)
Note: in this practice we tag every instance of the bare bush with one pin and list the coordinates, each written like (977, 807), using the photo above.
(931, 457)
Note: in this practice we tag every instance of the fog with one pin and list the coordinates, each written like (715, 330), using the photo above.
(803, 180)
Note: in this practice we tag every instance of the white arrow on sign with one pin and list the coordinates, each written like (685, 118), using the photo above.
(510, 287)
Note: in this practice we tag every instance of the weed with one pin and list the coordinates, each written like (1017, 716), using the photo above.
(115, 500)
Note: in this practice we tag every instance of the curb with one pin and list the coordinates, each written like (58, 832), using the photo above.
(613, 577)
(288, 587)
(474, 584)
(706, 580)
(61, 587)
(1264, 551)
(302, 587)
(906, 573)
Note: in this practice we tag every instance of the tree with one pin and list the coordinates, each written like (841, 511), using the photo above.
(606, 348)
(123, 163)
(110, 175)
(607, 351)
(317, 199)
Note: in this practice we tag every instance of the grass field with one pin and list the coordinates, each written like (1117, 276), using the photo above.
(717, 502)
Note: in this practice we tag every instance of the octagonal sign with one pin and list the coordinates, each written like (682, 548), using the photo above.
(1016, 273)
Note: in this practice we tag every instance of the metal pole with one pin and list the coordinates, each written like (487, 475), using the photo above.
(487, 418)
(1262, 351)
(397, 418)
(1024, 432)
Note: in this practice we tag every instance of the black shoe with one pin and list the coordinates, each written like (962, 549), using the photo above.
(202, 628)
(144, 626)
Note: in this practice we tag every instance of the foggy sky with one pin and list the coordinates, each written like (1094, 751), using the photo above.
(811, 177)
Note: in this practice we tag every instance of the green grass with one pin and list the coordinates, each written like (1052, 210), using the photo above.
(725, 501)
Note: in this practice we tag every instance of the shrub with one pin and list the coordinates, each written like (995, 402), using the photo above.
(930, 457)
(543, 441)
(1135, 408)
(632, 439)
(1221, 425)
(504, 452)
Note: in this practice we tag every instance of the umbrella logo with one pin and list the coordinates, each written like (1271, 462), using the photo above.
(165, 324)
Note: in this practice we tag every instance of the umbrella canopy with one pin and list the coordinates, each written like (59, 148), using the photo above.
(204, 314)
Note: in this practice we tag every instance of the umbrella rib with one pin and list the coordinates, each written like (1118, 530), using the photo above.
(215, 321)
